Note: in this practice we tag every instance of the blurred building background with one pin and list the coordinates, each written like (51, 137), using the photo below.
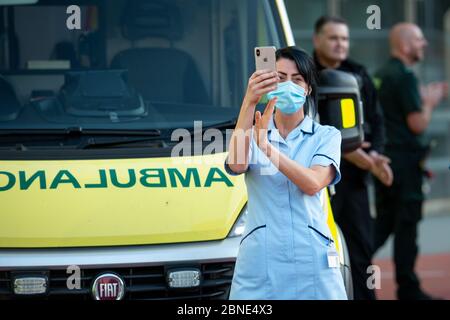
(370, 47)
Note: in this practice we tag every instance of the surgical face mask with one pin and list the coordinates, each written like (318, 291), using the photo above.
(291, 97)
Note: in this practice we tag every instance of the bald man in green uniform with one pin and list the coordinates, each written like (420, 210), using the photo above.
(407, 113)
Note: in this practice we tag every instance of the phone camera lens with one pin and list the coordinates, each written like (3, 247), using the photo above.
(258, 53)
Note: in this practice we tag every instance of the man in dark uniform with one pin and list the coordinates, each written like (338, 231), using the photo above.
(407, 112)
(350, 203)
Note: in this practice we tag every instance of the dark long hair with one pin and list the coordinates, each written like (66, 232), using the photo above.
(306, 67)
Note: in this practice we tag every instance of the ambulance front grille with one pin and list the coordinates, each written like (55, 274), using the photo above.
(142, 283)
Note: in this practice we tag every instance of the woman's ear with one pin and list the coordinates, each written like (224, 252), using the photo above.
(309, 90)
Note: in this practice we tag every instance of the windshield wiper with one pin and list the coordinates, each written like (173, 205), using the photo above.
(95, 142)
(229, 124)
(73, 131)
(128, 138)
(76, 137)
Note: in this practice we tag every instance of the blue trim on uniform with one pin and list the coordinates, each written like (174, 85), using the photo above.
(326, 237)
(306, 126)
(323, 155)
(228, 169)
(263, 226)
(311, 129)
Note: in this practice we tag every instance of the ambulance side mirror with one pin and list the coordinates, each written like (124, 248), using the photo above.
(340, 106)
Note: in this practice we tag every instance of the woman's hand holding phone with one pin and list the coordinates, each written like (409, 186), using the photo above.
(260, 83)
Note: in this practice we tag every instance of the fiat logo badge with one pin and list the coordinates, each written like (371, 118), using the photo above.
(108, 286)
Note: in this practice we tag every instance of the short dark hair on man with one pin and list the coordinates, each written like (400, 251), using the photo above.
(323, 20)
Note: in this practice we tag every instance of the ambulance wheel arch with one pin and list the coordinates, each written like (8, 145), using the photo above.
(345, 264)
(341, 245)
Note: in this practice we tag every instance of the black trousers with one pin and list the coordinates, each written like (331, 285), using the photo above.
(352, 213)
(399, 210)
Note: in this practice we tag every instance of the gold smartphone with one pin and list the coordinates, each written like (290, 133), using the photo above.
(265, 58)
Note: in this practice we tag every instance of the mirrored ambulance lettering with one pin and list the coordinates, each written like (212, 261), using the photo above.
(105, 178)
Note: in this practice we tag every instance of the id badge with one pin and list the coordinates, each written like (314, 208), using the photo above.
(333, 258)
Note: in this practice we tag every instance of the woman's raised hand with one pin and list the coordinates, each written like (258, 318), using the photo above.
(262, 123)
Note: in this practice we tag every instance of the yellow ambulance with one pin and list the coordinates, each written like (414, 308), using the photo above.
(97, 199)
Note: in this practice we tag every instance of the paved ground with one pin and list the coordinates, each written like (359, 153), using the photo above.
(433, 265)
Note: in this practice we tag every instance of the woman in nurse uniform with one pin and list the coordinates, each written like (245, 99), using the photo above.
(288, 159)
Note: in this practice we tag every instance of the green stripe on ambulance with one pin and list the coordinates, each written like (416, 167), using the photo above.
(149, 178)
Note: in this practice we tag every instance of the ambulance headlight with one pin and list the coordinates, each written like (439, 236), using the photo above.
(30, 285)
(183, 278)
(239, 226)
